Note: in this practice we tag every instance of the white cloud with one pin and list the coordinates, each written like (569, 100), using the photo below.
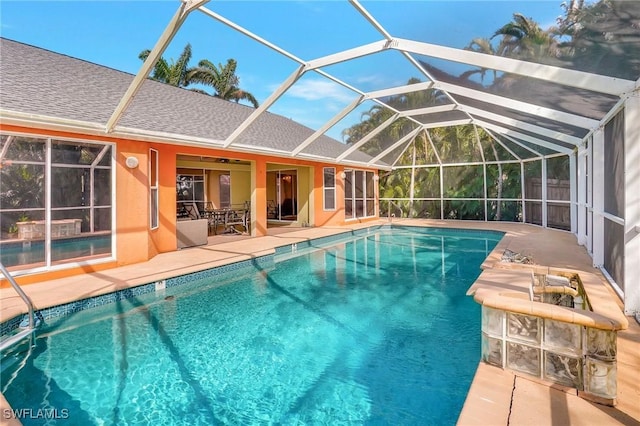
(314, 90)
(370, 78)
(377, 81)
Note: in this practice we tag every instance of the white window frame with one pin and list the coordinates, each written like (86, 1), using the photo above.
(326, 190)
(154, 202)
(48, 265)
(363, 199)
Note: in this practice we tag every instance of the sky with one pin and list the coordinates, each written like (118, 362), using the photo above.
(113, 33)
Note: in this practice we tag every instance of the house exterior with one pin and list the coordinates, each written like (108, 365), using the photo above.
(75, 198)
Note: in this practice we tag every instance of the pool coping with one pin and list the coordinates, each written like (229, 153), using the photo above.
(508, 289)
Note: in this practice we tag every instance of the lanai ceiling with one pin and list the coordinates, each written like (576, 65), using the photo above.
(530, 109)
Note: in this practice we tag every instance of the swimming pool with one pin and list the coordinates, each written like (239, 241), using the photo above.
(374, 330)
(33, 252)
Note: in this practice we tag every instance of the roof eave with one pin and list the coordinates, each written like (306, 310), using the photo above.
(48, 123)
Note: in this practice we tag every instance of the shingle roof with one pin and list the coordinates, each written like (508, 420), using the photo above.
(38, 81)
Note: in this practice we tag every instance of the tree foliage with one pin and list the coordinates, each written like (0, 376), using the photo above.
(222, 78)
(174, 73)
(601, 37)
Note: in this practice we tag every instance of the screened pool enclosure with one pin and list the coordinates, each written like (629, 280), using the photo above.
(469, 110)
(517, 123)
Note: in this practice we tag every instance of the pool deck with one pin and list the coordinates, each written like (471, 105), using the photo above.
(496, 397)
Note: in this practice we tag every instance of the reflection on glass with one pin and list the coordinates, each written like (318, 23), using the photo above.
(282, 190)
(359, 192)
(189, 193)
(329, 188)
(80, 197)
(224, 182)
(21, 148)
(74, 153)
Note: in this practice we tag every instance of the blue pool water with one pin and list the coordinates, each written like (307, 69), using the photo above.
(33, 252)
(375, 330)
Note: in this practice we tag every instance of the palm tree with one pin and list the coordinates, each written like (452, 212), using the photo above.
(573, 10)
(591, 37)
(223, 79)
(603, 37)
(378, 114)
(172, 73)
(480, 45)
(369, 120)
(523, 38)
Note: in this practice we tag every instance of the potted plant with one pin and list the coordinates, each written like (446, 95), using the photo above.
(12, 232)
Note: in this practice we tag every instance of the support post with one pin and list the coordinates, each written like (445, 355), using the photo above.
(573, 196)
(598, 198)
(544, 192)
(258, 198)
(631, 283)
(581, 188)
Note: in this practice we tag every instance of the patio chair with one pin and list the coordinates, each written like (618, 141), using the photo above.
(236, 217)
(192, 211)
(272, 209)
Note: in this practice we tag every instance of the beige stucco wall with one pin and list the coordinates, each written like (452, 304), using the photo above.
(240, 186)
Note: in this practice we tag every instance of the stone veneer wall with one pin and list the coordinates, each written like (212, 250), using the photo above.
(35, 229)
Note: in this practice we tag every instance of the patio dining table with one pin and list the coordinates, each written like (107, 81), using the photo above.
(229, 218)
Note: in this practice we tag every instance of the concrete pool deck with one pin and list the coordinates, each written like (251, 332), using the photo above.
(496, 397)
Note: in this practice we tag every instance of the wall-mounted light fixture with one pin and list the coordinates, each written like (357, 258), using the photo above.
(343, 175)
(131, 162)
(376, 178)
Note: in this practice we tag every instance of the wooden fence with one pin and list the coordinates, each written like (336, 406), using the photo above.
(558, 215)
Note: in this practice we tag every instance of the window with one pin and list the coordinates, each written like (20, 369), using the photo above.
(225, 191)
(348, 195)
(282, 195)
(370, 194)
(358, 185)
(359, 194)
(190, 193)
(329, 184)
(55, 201)
(153, 188)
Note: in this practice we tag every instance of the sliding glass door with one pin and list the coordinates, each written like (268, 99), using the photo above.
(282, 195)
